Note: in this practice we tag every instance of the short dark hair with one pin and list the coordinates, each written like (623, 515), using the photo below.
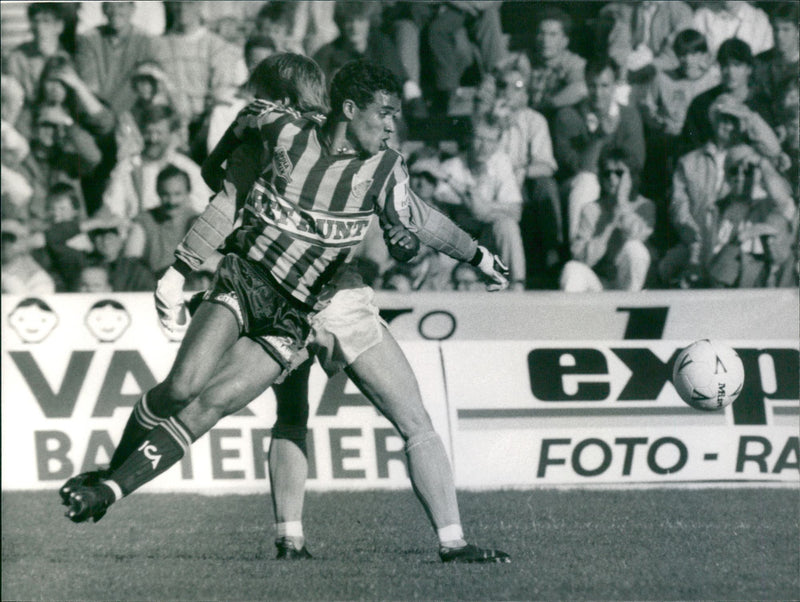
(597, 64)
(54, 8)
(618, 154)
(66, 189)
(277, 11)
(159, 112)
(257, 41)
(555, 14)
(359, 81)
(689, 41)
(734, 49)
(345, 12)
(292, 76)
(785, 11)
(169, 172)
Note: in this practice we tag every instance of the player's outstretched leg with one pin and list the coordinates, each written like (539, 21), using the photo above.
(395, 393)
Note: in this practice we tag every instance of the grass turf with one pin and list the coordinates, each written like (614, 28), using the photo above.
(580, 544)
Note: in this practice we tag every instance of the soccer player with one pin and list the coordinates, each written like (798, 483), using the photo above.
(279, 216)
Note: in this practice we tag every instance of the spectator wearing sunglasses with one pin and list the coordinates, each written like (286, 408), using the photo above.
(609, 249)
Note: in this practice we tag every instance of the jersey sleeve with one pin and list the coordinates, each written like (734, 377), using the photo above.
(402, 206)
(259, 120)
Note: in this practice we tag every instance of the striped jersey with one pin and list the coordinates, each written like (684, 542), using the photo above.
(309, 209)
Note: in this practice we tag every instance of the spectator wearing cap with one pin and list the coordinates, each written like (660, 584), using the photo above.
(125, 274)
(22, 274)
(25, 63)
(698, 183)
(725, 20)
(155, 233)
(609, 249)
(60, 151)
(780, 64)
(581, 132)
(132, 186)
(736, 66)
(756, 223)
(203, 67)
(107, 55)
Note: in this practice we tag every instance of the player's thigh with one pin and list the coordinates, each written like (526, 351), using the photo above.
(384, 375)
(244, 372)
(211, 332)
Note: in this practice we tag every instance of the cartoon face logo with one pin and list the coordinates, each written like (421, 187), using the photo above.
(107, 320)
(32, 320)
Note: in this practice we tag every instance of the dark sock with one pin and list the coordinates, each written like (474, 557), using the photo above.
(161, 448)
(140, 422)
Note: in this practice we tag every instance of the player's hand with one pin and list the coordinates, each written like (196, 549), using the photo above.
(492, 267)
(402, 244)
(171, 309)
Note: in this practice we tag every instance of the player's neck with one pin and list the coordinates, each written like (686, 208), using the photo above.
(334, 136)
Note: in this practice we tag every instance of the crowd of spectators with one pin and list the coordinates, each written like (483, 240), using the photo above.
(592, 145)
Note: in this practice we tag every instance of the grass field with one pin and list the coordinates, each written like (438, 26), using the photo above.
(657, 544)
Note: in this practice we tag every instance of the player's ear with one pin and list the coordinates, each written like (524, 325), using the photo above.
(349, 108)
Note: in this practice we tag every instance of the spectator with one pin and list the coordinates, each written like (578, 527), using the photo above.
(752, 240)
(94, 277)
(14, 188)
(314, 25)
(21, 273)
(526, 140)
(407, 21)
(25, 63)
(60, 151)
(132, 187)
(155, 233)
(148, 17)
(126, 274)
(557, 75)
(204, 69)
(107, 55)
(423, 273)
(581, 132)
(467, 278)
(609, 249)
(642, 34)
(480, 187)
(736, 64)
(697, 185)
(788, 131)
(276, 20)
(722, 20)
(151, 87)
(361, 37)
(457, 33)
(256, 49)
(774, 67)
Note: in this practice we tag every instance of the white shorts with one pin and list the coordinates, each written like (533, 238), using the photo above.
(347, 325)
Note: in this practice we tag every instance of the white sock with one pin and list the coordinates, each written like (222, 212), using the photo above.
(451, 536)
(293, 529)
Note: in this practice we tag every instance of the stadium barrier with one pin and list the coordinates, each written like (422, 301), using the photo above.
(526, 390)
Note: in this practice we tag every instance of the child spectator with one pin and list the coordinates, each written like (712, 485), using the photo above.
(155, 233)
(126, 274)
(94, 278)
(609, 248)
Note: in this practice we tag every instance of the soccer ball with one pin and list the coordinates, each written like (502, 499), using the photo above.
(708, 375)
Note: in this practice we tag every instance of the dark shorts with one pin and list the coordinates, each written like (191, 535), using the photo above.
(263, 314)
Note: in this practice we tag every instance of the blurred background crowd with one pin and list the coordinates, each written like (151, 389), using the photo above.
(593, 145)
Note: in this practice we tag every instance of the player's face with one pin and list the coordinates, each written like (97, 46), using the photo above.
(550, 39)
(371, 127)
